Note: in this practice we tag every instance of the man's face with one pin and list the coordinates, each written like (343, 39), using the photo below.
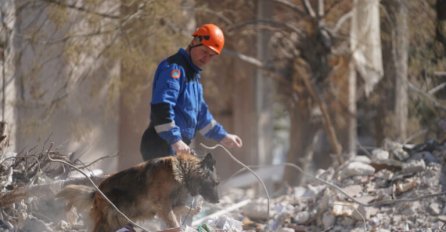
(201, 55)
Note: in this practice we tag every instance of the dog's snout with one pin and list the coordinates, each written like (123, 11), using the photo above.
(213, 198)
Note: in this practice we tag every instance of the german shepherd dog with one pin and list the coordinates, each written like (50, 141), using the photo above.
(156, 187)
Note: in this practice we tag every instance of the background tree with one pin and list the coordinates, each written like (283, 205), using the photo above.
(76, 61)
(82, 70)
(424, 88)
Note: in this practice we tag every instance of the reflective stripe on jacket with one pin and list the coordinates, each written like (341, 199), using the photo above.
(178, 109)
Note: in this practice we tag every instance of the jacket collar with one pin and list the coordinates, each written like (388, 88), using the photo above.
(186, 56)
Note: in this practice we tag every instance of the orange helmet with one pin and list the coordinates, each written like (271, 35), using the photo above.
(210, 36)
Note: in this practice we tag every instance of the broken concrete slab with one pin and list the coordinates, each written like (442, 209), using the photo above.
(357, 169)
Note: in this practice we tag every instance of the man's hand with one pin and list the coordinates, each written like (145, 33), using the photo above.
(231, 141)
(180, 147)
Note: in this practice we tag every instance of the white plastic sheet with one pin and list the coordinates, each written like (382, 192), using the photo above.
(366, 42)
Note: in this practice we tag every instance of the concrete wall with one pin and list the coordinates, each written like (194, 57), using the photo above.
(7, 69)
(65, 91)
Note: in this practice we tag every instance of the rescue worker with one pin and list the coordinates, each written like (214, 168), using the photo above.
(178, 109)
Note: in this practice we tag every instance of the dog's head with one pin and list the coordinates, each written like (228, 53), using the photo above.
(202, 179)
(208, 187)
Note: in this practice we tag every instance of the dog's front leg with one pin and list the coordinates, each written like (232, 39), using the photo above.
(182, 210)
(168, 216)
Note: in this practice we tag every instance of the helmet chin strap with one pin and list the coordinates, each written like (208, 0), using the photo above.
(196, 39)
(193, 46)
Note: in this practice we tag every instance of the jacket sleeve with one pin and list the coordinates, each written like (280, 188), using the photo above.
(166, 88)
(207, 126)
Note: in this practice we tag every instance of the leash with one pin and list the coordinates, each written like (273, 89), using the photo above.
(245, 166)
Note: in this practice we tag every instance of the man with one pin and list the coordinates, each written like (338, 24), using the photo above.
(178, 109)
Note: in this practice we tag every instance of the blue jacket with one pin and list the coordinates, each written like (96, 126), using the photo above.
(178, 109)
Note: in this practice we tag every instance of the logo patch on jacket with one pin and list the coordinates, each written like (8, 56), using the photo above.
(175, 74)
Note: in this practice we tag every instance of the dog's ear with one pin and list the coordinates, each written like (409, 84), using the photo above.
(208, 162)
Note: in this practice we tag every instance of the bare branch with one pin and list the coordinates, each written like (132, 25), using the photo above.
(215, 13)
(332, 6)
(341, 22)
(427, 96)
(291, 6)
(83, 9)
(248, 59)
(327, 122)
(21, 193)
(439, 73)
(176, 28)
(320, 9)
(309, 8)
(77, 36)
(254, 61)
(437, 88)
(268, 24)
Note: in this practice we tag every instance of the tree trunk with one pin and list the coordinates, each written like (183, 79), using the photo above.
(302, 132)
(400, 35)
(441, 21)
(400, 56)
(352, 136)
(264, 91)
(9, 83)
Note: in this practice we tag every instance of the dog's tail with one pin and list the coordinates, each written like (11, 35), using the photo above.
(80, 196)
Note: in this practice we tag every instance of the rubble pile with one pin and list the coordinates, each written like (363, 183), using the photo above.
(28, 183)
(396, 188)
(392, 189)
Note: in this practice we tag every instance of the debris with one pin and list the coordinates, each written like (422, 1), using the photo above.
(434, 208)
(392, 191)
(353, 190)
(344, 208)
(414, 166)
(380, 154)
(28, 183)
(328, 220)
(387, 192)
(405, 186)
(389, 164)
(396, 150)
(302, 217)
(357, 169)
(256, 209)
(222, 212)
(224, 223)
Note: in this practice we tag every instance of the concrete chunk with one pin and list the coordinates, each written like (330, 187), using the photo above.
(414, 166)
(357, 169)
